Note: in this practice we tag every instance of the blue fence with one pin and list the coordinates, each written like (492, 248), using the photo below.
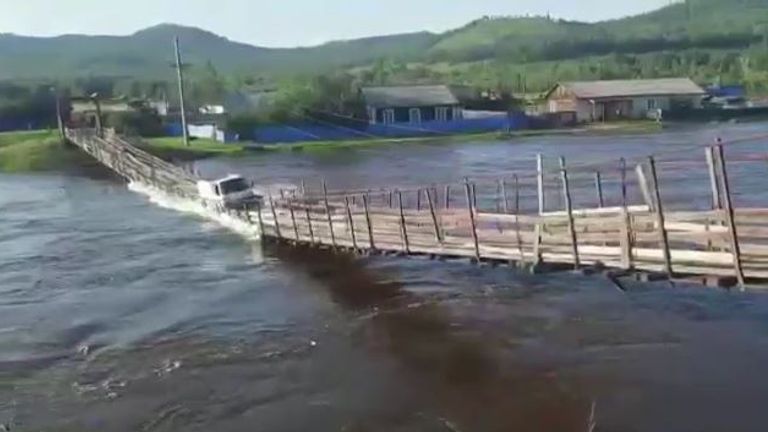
(12, 125)
(327, 132)
(315, 131)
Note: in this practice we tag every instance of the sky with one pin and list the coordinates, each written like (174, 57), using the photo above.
(286, 23)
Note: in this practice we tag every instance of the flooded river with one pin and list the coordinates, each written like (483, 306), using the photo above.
(118, 315)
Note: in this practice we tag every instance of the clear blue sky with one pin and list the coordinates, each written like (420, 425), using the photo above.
(289, 22)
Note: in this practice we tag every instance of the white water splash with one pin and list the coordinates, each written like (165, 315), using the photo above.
(169, 201)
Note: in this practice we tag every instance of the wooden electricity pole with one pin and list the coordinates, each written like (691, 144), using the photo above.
(180, 75)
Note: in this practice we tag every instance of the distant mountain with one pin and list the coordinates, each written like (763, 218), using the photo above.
(705, 24)
(149, 53)
(690, 24)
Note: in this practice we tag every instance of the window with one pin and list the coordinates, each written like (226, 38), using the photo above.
(458, 114)
(389, 116)
(441, 114)
(652, 104)
(415, 115)
(234, 186)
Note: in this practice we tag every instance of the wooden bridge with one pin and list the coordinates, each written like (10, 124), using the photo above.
(724, 245)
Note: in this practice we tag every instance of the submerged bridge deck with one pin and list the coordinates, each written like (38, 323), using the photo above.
(725, 244)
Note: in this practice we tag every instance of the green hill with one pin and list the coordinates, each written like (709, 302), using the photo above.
(705, 24)
(148, 54)
(694, 24)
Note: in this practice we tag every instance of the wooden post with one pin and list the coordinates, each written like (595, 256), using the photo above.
(474, 196)
(368, 222)
(274, 215)
(623, 169)
(517, 194)
(447, 197)
(540, 177)
(247, 210)
(328, 212)
(659, 210)
(730, 217)
(625, 233)
(309, 224)
(717, 199)
(351, 223)
(569, 209)
(435, 222)
(418, 200)
(293, 220)
(599, 189)
(262, 233)
(504, 196)
(472, 219)
(304, 187)
(643, 181)
(403, 229)
(391, 201)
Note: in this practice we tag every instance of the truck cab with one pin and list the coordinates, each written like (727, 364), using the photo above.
(232, 191)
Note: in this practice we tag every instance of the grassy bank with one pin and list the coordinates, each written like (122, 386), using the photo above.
(203, 148)
(32, 151)
(627, 127)
(173, 147)
(369, 142)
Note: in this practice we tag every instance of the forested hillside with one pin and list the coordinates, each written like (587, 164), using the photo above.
(695, 24)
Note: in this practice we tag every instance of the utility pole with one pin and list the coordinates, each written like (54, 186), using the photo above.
(59, 115)
(99, 120)
(180, 73)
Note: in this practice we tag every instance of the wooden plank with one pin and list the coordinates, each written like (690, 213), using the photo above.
(368, 222)
(569, 210)
(260, 219)
(418, 200)
(274, 215)
(729, 216)
(540, 178)
(309, 227)
(717, 201)
(327, 212)
(293, 221)
(351, 222)
(659, 210)
(504, 196)
(599, 189)
(643, 182)
(471, 209)
(625, 240)
(435, 222)
(606, 211)
(403, 225)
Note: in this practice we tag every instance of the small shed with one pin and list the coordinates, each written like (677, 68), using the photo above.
(623, 99)
(411, 104)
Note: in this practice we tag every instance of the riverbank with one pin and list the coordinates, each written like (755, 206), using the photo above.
(32, 151)
(204, 148)
(42, 150)
(174, 148)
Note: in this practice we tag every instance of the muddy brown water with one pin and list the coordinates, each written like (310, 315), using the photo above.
(119, 315)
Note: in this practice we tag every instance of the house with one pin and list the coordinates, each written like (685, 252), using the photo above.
(212, 110)
(411, 104)
(625, 99)
(249, 101)
(85, 110)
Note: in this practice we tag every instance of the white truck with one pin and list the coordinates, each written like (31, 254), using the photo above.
(232, 191)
